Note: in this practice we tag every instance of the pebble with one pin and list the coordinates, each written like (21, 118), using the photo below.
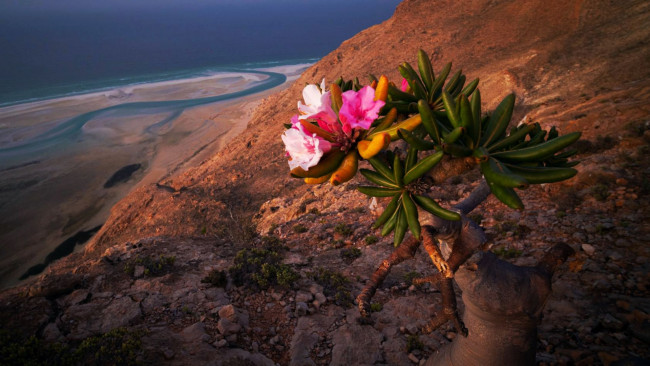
(301, 309)
(414, 358)
(220, 343)
(588, 249)
(579, 236)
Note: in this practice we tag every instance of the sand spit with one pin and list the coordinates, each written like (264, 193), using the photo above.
(48, 196)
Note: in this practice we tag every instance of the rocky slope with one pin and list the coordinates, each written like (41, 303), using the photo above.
(579, 65)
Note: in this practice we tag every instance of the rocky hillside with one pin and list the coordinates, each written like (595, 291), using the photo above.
(154, 268)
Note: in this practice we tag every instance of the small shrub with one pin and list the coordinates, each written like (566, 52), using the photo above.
(517, 230)
(299, 228)
(117, 347)
(600, 192)
(413, 343)
(16, 350)
(152, 266)
(351, 253)
(376, 307)
(410, 276)
(359, 210)
(560, 214)
(334, 284)
(216, 278)
(314, 211)
(371, 239)
(343, 229)
(262, 267)
(507, 253)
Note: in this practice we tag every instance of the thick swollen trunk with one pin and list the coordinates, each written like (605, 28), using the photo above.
(503, 306)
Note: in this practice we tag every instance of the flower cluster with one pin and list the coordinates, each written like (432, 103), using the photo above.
(324, 135)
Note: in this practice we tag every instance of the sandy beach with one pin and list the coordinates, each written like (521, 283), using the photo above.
(49, 194)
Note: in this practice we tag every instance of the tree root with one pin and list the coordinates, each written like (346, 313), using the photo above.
(467, 239)
(403, 252)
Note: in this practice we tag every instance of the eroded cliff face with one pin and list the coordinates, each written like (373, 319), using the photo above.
(578, 65)
(572, 64)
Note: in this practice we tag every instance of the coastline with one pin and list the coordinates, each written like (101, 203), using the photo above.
(47, 199)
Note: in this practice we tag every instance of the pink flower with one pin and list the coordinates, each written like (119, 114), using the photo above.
(359, 109)
(305, 150)
(295, 123)
(318, 105)
(405, 85)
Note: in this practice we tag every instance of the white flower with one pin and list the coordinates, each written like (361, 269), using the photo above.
(305, 151)
(317, 104)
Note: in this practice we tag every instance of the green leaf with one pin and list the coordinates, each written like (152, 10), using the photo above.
(377, 178)
(378, 191)
(425, 68)
(499, 121)
(541, 151)
(382, 168)
(388, 212)
(422, 167)
(398, 171)
(431, 206)
(411, 213)
(415, 141)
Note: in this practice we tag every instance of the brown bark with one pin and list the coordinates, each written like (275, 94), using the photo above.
(503, 305)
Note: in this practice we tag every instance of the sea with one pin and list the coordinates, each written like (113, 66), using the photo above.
(60, 48)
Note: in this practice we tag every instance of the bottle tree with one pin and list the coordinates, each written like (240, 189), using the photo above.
(437, 130)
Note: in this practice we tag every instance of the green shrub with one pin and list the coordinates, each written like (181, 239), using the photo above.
(343, 229)
(600, 192)
(351, 253)
(371, 239)
(262, 267)
(334, 284)
(413, 342)
(16, 350)
(506, 253)
(152, 266)
(299, 228)
(216, 278)
(410, 276)
(116, 347)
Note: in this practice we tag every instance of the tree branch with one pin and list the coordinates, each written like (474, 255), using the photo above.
(478, 195)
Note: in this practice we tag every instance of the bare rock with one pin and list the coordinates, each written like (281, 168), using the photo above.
(51, 333)
(228, 312)
(350, 339)
(302, 296)
(301, 309)
(238, 356)
(195, 333)
(306, 336)
(76, 297)
(588, 249)
(226, 327)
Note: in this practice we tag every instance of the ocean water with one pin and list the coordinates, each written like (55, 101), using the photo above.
(66, 47)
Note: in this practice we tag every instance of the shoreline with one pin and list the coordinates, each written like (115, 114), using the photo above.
(54, 197)
(163, 79)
